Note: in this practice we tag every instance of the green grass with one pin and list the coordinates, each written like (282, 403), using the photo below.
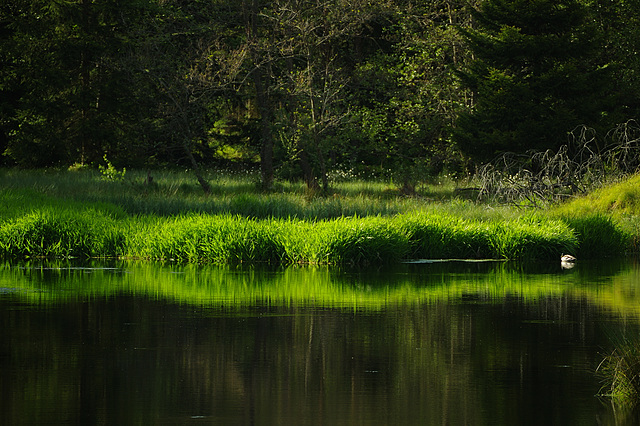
(207, 239)
(528, 237)
(619, 199)
(620, 372)
(174, 193)
(78, 214)
(600, 235)
(63, 234)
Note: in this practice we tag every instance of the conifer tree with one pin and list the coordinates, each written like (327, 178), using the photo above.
(534, 77)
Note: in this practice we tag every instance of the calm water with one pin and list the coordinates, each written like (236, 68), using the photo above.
(441, 343)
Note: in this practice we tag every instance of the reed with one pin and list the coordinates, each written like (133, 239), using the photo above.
(234, 239)
(362, 241)
(442, 235)
(620, 372)
(447, 236)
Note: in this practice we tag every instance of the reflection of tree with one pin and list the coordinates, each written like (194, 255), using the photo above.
(407, 363)
(401, 349)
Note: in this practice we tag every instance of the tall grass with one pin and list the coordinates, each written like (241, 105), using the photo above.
(442, 235)
(62, 235)
(534, 237)
(79, 214)
(357, 241)
(446, 236)
(233, 239)
(599, 235)
(208, 239)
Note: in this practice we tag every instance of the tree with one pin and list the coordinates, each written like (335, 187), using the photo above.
(407, 96)
(289, 63)
(173, 59)
(311, 82)
(619, 23)
(64, 102)
(535, 76)
(260, 56)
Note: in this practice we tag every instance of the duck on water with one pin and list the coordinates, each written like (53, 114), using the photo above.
(567, 261)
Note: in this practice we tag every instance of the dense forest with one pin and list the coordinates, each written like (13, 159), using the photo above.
(304, 88)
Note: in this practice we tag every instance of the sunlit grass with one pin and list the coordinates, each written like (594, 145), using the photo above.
(68, 234)
(78, 214)
(448, 236)
(208, 239)
(621, 198)
(202, 238)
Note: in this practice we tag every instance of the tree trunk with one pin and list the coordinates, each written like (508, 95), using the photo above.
(323, 168)
(262, 97)
(307, 172)
(266, 137)
(196, 168)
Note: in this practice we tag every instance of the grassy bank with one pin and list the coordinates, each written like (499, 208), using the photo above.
(81, 215)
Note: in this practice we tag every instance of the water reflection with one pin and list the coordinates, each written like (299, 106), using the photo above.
(421, 344)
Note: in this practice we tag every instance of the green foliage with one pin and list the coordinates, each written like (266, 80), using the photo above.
(109, 172)
(233, 239)
(533, 237)
(365, 86)
(212, 239)
(63, 96)
(439, 235)
(407, 97)
(364, 241)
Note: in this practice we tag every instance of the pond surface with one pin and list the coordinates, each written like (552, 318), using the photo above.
(421, 344)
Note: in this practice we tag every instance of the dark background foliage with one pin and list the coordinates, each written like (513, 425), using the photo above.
(299, 89)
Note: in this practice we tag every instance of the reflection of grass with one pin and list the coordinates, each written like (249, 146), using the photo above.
(318, 286)
(620, 370)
